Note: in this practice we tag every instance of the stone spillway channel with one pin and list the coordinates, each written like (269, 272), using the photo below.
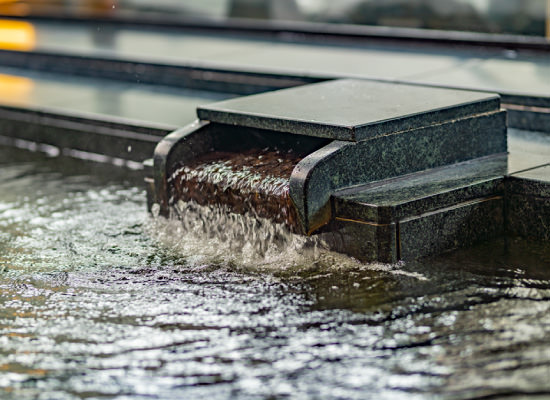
(254, 181)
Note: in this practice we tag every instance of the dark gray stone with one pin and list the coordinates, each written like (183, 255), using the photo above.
(528, 204)
(451, 228)
(528, 216)
(350, 110)
(366, 242)
(107, 138)
(344, 164)
(527, 150)
(408, 195)
(531, 119)
(540, 174)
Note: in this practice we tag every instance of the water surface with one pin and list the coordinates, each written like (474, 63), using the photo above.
(101, 301)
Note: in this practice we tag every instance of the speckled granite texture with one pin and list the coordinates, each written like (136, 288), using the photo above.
(390, 200)
(350, 110)
(432, 211)
(528, 204)
(367, 242)
(532, 120)
(400, 171)
(344, 164)
(109, 138)
(452, 228)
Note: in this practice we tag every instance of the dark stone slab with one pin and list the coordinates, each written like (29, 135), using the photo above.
(533, 182)
(527, 149)
(350, 110)
(366, 242)
(344, 164)
(528, 216)
(413, 194)
(529, 119)
(528, 204)
(185, 75)
(103, 138)
(541, 174)
(451, 228)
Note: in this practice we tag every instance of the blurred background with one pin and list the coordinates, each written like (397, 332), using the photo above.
(518, 17)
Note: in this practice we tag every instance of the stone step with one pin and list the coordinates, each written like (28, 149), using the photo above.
(423, 213)
(415, 194)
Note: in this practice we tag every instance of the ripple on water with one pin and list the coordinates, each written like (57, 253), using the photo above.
(98, 300)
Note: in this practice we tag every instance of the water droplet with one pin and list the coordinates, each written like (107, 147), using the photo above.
(155, 210)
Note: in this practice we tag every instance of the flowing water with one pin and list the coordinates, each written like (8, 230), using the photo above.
(101, 301)
(254, 181)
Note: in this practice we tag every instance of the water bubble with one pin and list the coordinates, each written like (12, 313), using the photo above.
(155, 210)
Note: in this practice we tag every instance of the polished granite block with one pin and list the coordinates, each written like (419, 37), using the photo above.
(534, 182)
(451, 228)
(350, 110)
(527, 150)
(531, 119)
(528, 216)
(109, 139)
(366, 242)
(343, 164)
(528, 204)
(413, 194)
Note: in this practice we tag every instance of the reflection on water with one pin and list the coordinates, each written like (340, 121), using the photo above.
(100, 301)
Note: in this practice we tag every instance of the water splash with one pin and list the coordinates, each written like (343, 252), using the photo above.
(214, 234)
(254, 181)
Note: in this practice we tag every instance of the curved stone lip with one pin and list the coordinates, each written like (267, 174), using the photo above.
(350, 109)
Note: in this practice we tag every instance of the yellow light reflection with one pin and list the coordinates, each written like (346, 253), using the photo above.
(17, 35)
(15, 88)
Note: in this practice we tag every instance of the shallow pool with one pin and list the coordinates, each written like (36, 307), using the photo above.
(99, 301)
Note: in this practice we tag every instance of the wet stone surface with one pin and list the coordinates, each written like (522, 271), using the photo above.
(255, 181)
(528, 203)
(414, 194)
(348, 109)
